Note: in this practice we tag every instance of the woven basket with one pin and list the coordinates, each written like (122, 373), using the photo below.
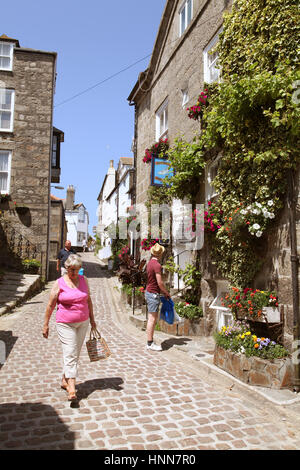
(97, 347)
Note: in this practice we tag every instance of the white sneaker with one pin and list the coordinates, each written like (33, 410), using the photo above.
(154, 347)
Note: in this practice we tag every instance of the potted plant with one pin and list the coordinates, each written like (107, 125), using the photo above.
(253, 304)
(31, 266)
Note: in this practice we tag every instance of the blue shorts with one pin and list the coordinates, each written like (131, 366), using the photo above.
(153, 301)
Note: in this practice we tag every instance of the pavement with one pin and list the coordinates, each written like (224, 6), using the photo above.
(136, 399)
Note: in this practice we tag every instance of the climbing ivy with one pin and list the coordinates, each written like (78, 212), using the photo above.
(253, 117)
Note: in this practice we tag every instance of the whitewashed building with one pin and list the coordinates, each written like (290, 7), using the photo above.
(114, 199)
(77, 218)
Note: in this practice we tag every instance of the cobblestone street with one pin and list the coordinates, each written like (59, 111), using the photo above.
(134, 400)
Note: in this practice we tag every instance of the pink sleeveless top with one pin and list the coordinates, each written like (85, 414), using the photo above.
(72, 304)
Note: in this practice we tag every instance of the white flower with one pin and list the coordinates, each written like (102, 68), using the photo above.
(255, 211)
(270, 203)
(258, 204)
(271, 215)
(243, 212)
(258, 234)
(256, 226)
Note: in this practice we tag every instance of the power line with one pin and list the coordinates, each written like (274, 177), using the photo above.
(103, 81)
(123, 70)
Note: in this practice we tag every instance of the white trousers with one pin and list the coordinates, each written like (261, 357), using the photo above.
(71, 336)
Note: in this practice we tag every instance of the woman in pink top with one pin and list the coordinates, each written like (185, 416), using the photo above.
(74, 312)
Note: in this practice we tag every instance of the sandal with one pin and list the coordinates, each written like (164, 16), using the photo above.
(72, 397)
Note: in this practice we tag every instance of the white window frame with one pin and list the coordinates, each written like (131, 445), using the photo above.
(185, 96)
(211, 168)
(10, 56)
(7, 190)
(187, 21)
(11, 111)
(208, 66)
(162, 116)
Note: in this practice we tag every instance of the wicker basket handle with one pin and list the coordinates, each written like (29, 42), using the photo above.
(95, 334)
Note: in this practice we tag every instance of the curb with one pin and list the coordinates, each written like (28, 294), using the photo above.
(33, 285)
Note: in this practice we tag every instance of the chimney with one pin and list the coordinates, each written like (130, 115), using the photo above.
(70, 198)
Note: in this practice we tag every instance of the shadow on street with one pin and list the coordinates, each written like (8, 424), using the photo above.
(26, 426)
(85, 389)
(169, 343)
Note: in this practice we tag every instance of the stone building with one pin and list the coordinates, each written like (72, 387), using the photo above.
(181, 63)
(58, 232)
(27, 86)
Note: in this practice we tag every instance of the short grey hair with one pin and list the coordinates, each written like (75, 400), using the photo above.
(73, 261)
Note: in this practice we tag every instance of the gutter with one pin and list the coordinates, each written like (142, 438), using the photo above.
(292, 201)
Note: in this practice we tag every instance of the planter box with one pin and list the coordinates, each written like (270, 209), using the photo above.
(185, 328)
(275, 373)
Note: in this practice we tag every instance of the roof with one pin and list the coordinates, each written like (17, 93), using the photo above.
(54, 198)
(126, 160)
(7, 39)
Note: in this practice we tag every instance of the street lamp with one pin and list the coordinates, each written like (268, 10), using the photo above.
(58, 187)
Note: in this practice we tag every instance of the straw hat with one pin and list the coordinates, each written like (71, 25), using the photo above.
(157, 250)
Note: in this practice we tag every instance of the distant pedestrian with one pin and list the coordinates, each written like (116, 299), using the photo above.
(154, 288)
(63, 255)
(84, 245)
(74, 313)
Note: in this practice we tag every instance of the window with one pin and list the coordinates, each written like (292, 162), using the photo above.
(185, 16)
(6, 55)
(54, 151)
(185, 96)
(7, 98)
(162, 120)
(81, 214)
(5, 163)
(210, 58)
(211, 173)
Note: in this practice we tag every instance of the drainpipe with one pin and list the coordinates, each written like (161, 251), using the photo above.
(292, 201)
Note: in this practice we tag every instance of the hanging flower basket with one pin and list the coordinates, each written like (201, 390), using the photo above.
(195, 112)
(159, 148)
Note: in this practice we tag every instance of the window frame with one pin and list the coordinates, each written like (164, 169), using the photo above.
(9, 152)
(185, 96)
(11, 56)
(162, 111)
(210, 191)
(187, 21)
(11, 111)
(207, 67)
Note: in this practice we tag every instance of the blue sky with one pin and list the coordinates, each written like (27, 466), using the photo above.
(94, 40)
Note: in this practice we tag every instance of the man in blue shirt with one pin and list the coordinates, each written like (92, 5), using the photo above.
(63, 256)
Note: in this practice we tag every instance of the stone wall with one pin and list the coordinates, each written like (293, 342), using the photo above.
(276, 373)
(32, 79)
(179, 66)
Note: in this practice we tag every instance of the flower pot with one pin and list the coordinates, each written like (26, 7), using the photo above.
(270, 314)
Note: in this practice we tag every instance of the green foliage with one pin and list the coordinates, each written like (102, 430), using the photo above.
(191, 277)
(254, 118)
(189, 311)
(187, 161)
